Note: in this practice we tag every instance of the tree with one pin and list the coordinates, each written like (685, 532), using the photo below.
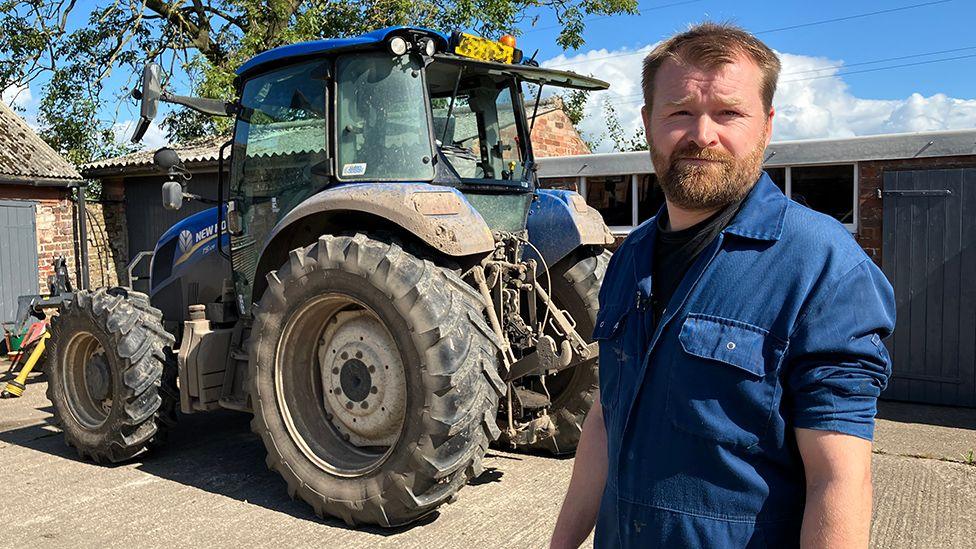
(622, 143)
(207, 40)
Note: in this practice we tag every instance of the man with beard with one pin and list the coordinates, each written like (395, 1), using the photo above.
(740, 336)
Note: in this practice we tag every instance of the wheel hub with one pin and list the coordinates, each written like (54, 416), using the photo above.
(363, 383)
(97, 377)
(355, 380)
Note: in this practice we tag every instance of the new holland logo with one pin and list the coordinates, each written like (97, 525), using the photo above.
(186, 241)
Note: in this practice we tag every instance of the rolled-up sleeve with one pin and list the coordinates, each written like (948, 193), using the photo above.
(837, 362)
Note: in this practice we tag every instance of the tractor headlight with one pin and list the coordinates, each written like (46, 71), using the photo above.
(428, 47)
(397, 45)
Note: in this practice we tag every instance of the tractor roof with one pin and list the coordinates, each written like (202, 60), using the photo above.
(284, 54)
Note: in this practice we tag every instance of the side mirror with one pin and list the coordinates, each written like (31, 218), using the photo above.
(149, 95)
(172, 195)
(167, 159)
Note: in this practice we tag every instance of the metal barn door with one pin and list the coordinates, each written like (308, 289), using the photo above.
(929, 255)
(18, 255)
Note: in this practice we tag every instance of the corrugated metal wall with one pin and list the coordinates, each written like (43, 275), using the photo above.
(147, 219)
(18, 255)
(929, 255)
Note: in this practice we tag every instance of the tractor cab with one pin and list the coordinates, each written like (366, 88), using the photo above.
(396, 105)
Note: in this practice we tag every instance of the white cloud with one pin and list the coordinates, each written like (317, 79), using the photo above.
(19, 96)
(154, 137)
(621, 68)
(806, 108)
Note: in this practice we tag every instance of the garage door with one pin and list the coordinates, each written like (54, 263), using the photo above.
(18, 255)
(930, 258)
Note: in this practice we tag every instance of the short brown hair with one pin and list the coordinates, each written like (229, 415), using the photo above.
(709, 46)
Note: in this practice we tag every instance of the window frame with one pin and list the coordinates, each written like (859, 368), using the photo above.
(337, 171)
(851, 227)
(635, 182)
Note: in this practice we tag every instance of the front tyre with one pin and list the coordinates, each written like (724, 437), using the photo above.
(575, 288)
(375, 381)
(111, 369)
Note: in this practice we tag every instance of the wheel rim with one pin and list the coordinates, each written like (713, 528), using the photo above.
(340, 385)
(87, 381)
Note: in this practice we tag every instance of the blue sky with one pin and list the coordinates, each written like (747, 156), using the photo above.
(830, 85)
(822, 93)
(924, 29)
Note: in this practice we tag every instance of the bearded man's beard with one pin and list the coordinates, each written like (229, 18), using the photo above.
(710, 185)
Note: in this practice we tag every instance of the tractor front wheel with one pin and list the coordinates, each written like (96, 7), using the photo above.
(575, 288)
(375, 382)
(111, 374)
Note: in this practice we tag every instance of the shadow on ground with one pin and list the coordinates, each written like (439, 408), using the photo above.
(942, 416)
(218, 453)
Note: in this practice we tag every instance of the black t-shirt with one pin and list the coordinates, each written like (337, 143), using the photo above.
(675, 251)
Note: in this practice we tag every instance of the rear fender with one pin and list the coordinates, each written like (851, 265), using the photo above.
(560, 221)
(438, 216)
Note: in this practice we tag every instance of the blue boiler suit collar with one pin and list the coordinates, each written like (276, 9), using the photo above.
(761, 217)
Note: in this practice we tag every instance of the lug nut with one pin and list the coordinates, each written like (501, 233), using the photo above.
(372, 369)
(335, 371)
(364, 405)
(374, 389)
(349, 406)
(359, 354)
(337, 390)
(344, 355)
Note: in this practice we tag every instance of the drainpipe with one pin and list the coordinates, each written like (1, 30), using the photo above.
(83, 236)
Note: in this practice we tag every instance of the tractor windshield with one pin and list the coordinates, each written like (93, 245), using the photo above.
(478, 123)
(382, 126)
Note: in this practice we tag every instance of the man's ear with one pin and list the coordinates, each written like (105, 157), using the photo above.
(646, 118)
(769, 125)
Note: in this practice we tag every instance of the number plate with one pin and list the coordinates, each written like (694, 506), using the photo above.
(476, 47)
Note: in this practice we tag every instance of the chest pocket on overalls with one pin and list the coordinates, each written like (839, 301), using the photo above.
(615, 357)
(723, 385)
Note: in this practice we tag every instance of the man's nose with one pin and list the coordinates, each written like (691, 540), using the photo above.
(703, 132)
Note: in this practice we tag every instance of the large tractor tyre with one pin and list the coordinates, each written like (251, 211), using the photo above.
(575, 288)
(111, 374)
(375, 380)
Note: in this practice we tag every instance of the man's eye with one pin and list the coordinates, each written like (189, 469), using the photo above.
(680, 113)
(731, 113)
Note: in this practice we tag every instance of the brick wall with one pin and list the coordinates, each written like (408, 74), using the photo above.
(871, 180)
(554, 134)
(107, 236)
(54, 225)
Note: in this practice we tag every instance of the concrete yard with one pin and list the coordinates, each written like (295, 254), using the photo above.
(210, 487)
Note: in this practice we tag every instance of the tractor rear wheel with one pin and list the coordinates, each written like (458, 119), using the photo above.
(111, 374)
(375, 381)
(575, 288)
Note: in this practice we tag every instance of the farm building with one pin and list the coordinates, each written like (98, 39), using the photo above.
(908, 199)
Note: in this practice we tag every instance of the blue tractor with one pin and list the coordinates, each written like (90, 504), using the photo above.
(381, 282)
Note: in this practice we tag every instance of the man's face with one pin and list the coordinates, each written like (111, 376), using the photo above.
(707, 130)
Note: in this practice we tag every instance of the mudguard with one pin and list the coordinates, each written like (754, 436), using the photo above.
(440, 216)
(559, 222)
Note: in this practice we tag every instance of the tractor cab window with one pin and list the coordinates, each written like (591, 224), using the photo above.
(480, 134)
(382, 127)
(281, 154)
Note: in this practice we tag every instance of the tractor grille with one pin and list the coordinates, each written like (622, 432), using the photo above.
(244, 255)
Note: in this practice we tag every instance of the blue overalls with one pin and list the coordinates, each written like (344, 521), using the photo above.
(776, 325)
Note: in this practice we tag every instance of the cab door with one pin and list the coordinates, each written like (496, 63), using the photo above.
(280, 157)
